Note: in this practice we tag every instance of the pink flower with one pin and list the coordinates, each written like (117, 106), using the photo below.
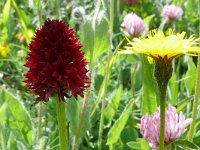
(133, 25)
(174, 126)
(172, 12)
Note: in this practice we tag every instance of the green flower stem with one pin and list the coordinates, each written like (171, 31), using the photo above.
(82, 116)
(163, 72)
(133, 68)
(195, 103)
(103, 99)
(39, 13)
(40, 121)
(106, 75)
(61, 117)
(57, 8)
(162, 116)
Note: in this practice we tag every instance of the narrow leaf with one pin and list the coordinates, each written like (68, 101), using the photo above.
(190, 76)
(3, 113)
(140, 144)
(186, 144)
(115, 131)
(87, 38)
(101, 35)
(6, 11)
(19, 120)
(112, 107)
(173, 89)
(184, 103)
(149, 103)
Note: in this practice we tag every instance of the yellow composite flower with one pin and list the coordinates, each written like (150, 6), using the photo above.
(159, 46)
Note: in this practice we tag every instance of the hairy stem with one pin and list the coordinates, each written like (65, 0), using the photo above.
(61, 117)
(162, 117)
(106, 76)
(82, 116)
(196, 96)
(163, 72)
(195, 103)
(40, 112)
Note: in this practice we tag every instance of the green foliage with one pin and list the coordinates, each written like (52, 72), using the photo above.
(129, 134)
(19, 122)
(190, 74)
(95, 36)
(173, 83)
(73, 112)
(113, 105)
(140, 144)
(185, 144)
(6, 11)
(130, 93)
(149, 88)
(116, 129)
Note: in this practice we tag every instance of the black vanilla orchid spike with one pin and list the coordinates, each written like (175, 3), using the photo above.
(55, 62)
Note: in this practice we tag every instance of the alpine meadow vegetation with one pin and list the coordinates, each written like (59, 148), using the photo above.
(99, 74)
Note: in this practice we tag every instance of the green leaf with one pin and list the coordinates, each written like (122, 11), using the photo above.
(112, 107)
(172, 146)
(87, 38)
(101, 35)
(196, 140)
(37, 4)
(73, 115)
(102, 88)
(23, 19)
(73, 107)
(148, 19)
(185, 144)
(3, 116)
(129, 134)
(144, 144)
(95, 36)
(6, 11)
(115, 131)
(184, 103)
(190, 77)
(135, 145)
(140, 144)
(173, 89)
(149, 103)
(19, 120)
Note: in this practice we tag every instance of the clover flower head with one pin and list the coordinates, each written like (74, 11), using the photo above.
(55, 62)
(133, 25)
(172, 12)
(175, 125)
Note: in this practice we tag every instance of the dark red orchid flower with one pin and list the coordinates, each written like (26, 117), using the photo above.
(55, 62)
